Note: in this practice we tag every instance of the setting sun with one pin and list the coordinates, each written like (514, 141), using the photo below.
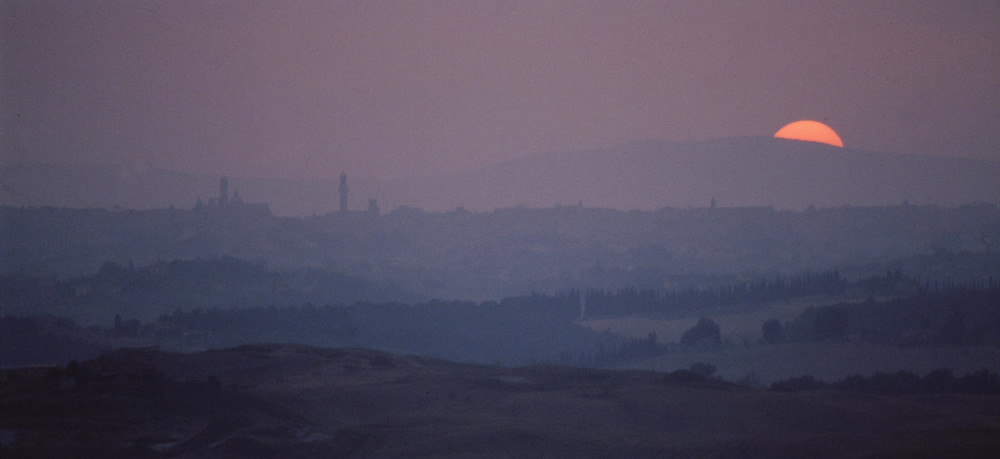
(810, 131)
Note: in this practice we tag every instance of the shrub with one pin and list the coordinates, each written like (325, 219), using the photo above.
(705, 370)
(705, 332)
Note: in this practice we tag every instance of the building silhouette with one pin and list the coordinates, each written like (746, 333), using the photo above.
(343, 192)
(224, 205)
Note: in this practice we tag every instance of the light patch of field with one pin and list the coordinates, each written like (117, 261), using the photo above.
(639, 327)
(826, 361)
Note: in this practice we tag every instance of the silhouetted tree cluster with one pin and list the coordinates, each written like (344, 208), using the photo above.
(959, 315)
(704, 333)
(705, 370)
(147, 292)
(636, 349)
(700, 374)
(892, 283)
(941, 381)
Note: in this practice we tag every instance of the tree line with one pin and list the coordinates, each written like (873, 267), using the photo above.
(940, 381)
(605, 303)
(963, 314)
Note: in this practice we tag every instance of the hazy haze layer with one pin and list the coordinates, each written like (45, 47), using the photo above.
(647, 175)
(307, 90)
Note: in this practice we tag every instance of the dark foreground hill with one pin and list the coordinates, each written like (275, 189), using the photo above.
(284, 401)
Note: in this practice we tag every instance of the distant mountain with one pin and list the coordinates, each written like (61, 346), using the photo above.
(735, 172)
(648, 175)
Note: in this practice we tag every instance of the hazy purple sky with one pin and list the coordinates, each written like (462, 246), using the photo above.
(382, 89)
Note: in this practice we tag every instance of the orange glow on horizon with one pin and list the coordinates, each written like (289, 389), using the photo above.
(810, 131)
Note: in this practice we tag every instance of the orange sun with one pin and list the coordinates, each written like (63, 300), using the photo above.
(809, 131)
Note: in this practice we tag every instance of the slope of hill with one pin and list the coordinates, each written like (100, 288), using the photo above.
(271, 401)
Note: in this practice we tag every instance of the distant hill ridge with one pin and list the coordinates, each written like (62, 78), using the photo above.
(737, 172)
(647, 175)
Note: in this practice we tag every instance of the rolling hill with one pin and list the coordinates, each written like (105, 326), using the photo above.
(289, 401)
